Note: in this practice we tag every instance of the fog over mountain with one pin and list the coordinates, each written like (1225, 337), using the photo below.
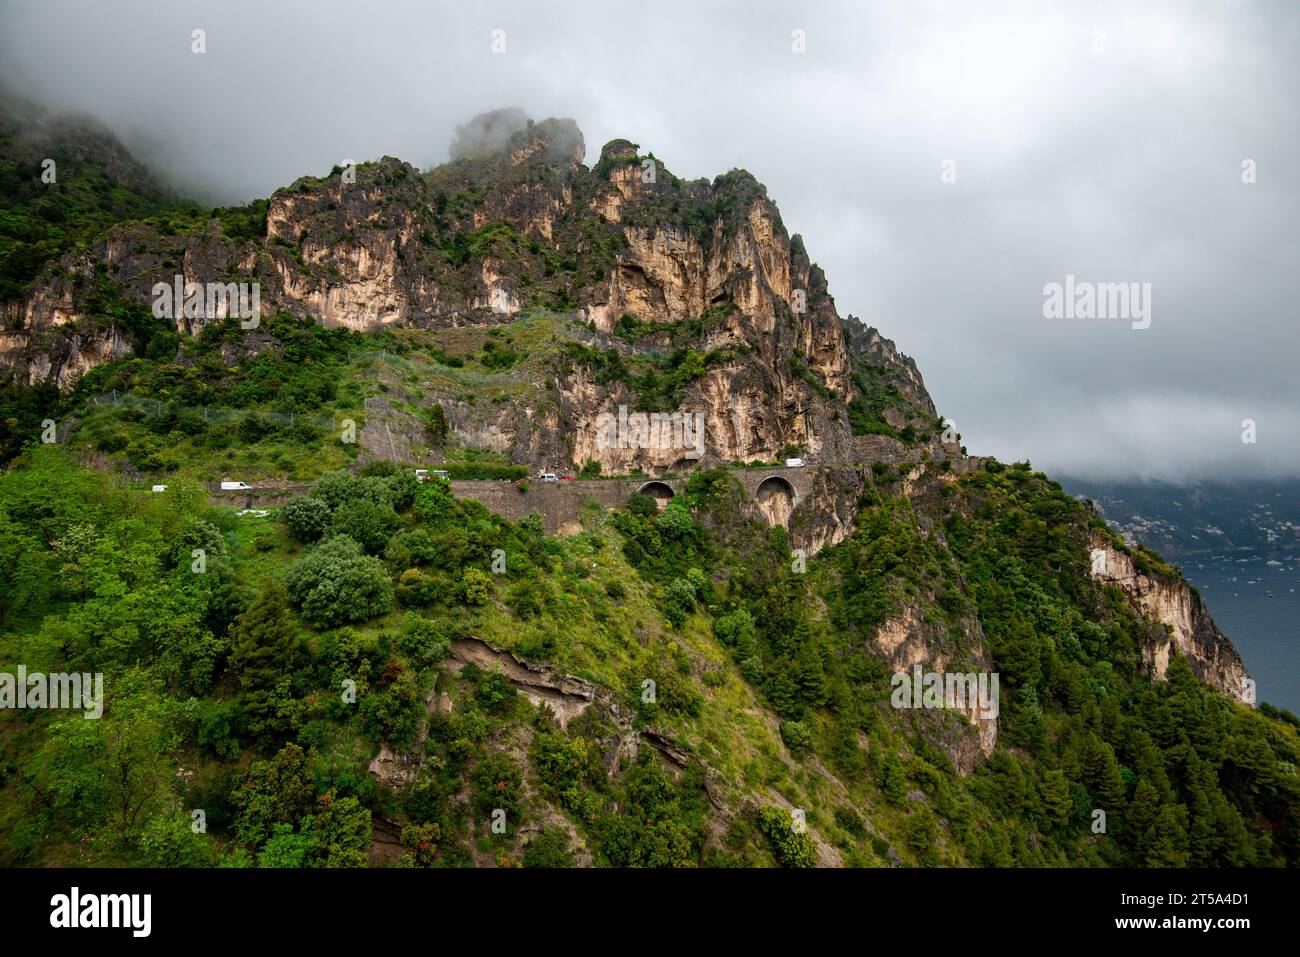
(1104, 141)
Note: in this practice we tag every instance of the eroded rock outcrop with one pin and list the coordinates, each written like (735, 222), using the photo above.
(908, 640)
(1179, 608)
(703, 272)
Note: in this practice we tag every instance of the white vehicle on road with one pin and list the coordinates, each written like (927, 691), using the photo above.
(795, 463)
(234, 486)
(547, 477)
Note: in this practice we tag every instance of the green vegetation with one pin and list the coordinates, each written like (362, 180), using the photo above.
(275, 673)
(659, 382)
(686, 330)
(879, 389)
(664, 688)
(40, 220)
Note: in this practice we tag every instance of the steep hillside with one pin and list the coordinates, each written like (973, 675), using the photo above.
(715, 668)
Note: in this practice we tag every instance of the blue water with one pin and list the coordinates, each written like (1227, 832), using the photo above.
(1265, 631)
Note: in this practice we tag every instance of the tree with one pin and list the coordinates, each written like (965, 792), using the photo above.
(550, 848)
(797, 736)
(436, 422)
(340, 832)
(423, 842)
(1158, 829)
(285, 849)
(1101, 775)
(263, 641)
(639, 503)
(338, 487)
(498, 785)
(116, 773)
(679, 601)
(422, 641)
(809, 671)
(793, 848)
(893, 779)
(434, 501)
(477, 586)
(274, 791)
(1056, 798)
(734, 628)
(169, 840)
(393, 713)
(415, 589)
(369, 523)
(921, 832)
(335, 584)
(307, 518)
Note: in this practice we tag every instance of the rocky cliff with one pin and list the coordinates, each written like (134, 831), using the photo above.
(710, 303)
(1175, 605)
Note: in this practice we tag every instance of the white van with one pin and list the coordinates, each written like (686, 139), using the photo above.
(442, 474)
(547, 477)
(795, 463)
(234, 486)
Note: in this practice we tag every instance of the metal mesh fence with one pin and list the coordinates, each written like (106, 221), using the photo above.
(125, 400)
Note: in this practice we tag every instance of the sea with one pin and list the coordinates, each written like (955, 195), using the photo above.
(1255, 601)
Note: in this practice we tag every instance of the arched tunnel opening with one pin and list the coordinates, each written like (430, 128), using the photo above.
(775, 498)
(662, 492)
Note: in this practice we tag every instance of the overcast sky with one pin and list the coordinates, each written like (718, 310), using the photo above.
(1100, 140)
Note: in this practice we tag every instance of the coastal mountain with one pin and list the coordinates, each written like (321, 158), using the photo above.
(1199, 520)
(689, 654)
(682, 295)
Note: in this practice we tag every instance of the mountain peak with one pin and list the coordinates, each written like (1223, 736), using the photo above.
(511, 132)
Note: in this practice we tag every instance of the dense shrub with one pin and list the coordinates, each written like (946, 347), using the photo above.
(792, 848)
(336, 583)
(307, 518)
(366, 522)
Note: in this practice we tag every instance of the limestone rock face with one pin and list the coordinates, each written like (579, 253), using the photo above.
(1191, 631)
(908, 641)
(515, 223)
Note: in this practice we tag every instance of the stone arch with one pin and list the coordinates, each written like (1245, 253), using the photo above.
(662, 492)
(776, 499)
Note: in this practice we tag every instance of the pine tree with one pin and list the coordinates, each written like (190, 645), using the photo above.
(808, 668)
(1142, 816)
(262, 643)
(1101, 774)
(1056, 798)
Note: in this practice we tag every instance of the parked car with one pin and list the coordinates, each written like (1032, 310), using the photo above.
(795, 463)
(158, 488)
(422, 475)
(547, 477)
(442, 474)
(234, 486)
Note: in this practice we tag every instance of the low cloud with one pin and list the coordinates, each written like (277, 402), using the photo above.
(487, 133)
